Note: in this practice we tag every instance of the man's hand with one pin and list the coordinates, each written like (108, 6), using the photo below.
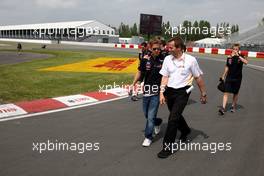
(162, 99)
(146, 57)
(131, 89)
(234, 53)
(203, 99)
(200, 82)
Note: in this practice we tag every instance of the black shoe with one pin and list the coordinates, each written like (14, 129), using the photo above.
(158, 121)
(134, 98)
(164, 154)
(221, 111)
(232, 109)
(183, 137)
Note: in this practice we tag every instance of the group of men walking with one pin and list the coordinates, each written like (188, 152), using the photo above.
(167, 73)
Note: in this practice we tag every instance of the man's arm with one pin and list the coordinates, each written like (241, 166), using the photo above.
(244, 60)
(136, 78)
(132, 86)
(200, 82)
(164, 82)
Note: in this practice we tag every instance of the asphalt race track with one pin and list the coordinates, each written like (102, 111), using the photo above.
(118, 127)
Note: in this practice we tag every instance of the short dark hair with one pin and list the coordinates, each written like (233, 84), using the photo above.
(163, 42)
(155, 41)
(178, 42)
(144, 44)
(236, 45)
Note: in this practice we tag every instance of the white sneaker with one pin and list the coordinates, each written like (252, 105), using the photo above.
(157, 130)
(146, 142)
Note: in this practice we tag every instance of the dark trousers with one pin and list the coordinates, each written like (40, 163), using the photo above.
(176, 100)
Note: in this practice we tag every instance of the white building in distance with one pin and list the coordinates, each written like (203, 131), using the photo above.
(79, 31)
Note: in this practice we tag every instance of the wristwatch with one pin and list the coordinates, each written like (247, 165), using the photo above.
(203, 94)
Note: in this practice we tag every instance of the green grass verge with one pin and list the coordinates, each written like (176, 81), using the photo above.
(23, 82)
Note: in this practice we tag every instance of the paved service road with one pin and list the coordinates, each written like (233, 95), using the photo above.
(14, 57)
(118, 127)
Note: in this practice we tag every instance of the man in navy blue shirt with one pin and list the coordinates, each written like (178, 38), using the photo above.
(150, 65)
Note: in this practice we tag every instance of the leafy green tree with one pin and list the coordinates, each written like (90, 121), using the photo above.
(166, 30)
(124, 30)
(134, 30)
(195, 31)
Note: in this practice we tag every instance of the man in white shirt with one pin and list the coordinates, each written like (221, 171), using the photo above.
(178, 71)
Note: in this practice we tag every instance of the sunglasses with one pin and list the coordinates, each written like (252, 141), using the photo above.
(154, 49)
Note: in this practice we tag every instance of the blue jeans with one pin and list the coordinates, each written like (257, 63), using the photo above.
(150, 108)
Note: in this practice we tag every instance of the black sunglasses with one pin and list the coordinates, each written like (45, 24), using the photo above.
(154, 49)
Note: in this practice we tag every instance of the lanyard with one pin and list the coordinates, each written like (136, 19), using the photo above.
(183, 72)
(180, 66)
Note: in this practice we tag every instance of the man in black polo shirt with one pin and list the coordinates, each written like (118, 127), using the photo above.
(233, 77)
(145, 50)
(150, 66)
(164, 49)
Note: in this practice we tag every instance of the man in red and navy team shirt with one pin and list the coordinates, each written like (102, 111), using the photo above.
(150, 65)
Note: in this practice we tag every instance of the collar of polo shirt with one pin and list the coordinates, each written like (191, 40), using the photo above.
(182, 58)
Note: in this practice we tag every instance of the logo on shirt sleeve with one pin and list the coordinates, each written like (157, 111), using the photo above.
(148, 65)
(230, 61)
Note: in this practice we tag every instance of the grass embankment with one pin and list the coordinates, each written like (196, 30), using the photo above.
(23, 82)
